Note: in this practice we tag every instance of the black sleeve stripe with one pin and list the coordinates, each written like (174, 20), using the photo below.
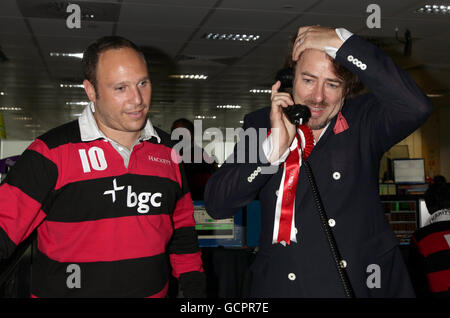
(193, 284)
(439, 261)
(33, 174)
(184, 241)
(432, 228)
(61, 135)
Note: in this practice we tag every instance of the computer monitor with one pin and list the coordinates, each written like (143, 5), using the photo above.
(409, 171)
(212, 233)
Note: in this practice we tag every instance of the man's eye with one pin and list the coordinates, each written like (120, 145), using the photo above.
(331, 85)
(307, 80)
(120, 88)
(143, 83)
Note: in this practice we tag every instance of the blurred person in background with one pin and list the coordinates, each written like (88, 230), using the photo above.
(429, 257)
(198, 170)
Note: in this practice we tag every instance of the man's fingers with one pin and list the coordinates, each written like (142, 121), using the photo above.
(302, 40)
(282, 99)
(303, 29)
(300, 44)
(315, 37)
(279, 101)
(275, 88)
(298, 49)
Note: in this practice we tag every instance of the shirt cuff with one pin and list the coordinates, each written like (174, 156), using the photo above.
(267, 147)
(343, 34)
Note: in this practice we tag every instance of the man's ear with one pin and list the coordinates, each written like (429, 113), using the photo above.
(90, 90)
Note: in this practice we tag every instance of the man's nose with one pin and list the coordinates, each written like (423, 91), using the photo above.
(137, 96)
(318, 93)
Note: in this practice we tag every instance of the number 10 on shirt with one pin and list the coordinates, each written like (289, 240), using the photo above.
(94, 158)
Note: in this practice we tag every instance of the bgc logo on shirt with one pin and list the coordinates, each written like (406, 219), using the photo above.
(142, 200)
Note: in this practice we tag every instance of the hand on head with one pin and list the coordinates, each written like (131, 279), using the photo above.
(315, 37)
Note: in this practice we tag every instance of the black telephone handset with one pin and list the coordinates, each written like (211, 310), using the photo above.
(297, 114)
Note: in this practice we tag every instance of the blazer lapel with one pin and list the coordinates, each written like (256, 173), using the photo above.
(315, 158)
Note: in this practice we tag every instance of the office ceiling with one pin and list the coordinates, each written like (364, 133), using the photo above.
(172, 33)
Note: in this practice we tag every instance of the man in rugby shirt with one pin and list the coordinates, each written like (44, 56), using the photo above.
(112, 209)
(429, 258)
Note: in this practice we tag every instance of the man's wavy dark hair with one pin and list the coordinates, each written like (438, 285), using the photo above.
(352, 84)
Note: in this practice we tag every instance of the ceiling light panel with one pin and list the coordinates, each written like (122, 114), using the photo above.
(205, 117)
(229, 106)
(71, 85)
(23, 118)
(77, 103)
(190, 76)
(77, 55)
(10, 108)
(232, 37)
(260, 91)
(434, 8)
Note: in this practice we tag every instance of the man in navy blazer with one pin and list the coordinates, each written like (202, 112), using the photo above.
(350, 134)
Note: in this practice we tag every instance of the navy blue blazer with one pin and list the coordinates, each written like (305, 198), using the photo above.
(346, 167)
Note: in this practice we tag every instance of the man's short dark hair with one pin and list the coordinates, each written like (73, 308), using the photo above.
(437, 197)
(92, 53)
(352, 84)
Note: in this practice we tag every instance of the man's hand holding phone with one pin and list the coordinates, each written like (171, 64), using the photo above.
(282, 130)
